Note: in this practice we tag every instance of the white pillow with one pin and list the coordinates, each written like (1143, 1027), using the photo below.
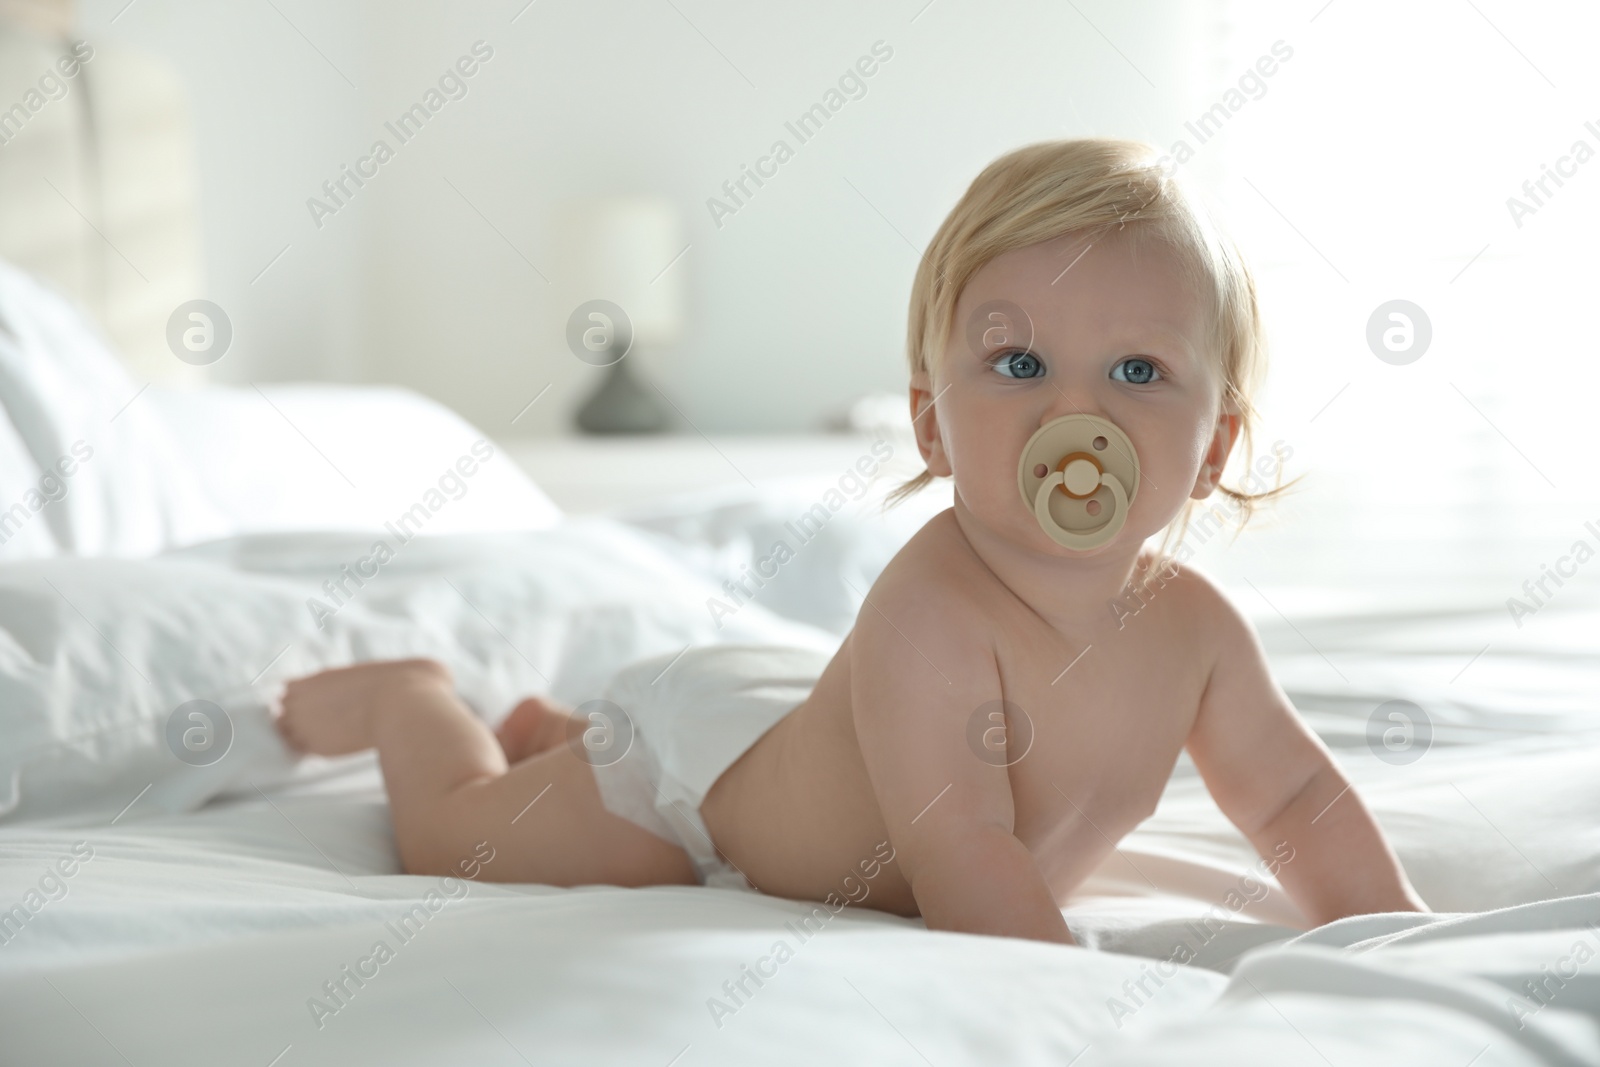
(275, 458)
(27, 499)
(67, 395)
(167, 467)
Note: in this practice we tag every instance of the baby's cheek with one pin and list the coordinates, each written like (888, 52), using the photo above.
(987, 482)
(1158, 489)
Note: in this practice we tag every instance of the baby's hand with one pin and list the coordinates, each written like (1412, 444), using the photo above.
(1278, 783)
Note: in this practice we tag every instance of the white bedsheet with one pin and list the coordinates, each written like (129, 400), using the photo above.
(202, 936)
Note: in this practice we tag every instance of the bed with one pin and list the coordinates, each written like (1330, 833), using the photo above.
(162, 906)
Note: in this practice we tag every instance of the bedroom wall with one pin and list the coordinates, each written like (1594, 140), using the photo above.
(269, 113)
(430, 274)
(797, 301)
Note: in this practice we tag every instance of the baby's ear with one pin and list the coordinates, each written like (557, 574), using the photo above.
(1229, 422)
(925, 424)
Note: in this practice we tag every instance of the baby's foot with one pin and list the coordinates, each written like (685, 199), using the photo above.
(330, 714)
(536, 725)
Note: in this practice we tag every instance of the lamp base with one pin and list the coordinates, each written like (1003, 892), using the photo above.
(623, 404)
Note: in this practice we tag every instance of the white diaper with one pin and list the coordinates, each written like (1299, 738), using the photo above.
(690, 719)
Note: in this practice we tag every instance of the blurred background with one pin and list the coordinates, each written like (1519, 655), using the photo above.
(1376, 161)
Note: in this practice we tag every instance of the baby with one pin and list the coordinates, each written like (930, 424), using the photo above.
(1083, 346)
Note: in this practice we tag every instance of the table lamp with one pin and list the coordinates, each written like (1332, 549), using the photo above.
(626, 292)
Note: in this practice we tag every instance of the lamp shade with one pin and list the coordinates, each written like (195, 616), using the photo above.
(623, 249)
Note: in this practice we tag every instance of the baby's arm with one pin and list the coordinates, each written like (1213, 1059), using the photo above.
(915, 683)
(1278, 783)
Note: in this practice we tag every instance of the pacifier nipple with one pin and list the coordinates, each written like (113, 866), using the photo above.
(1078, 474)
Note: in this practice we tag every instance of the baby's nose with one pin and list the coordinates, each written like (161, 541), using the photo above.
(1074, 390)
(1069, 401)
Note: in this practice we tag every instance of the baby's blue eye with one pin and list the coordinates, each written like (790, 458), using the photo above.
(1135, 371)
(1019, 365)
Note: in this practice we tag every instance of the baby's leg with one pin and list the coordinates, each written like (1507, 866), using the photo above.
(450, 787)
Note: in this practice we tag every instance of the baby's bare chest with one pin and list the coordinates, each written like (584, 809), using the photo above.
(1091, 736)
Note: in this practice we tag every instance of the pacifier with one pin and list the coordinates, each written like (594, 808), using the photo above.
(1079, 474)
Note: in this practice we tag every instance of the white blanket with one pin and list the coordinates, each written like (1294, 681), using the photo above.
(98, 655)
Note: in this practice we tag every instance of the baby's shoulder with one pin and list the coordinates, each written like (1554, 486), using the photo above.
(937, 557)
(933, 580)
(1186, 593)
(928, 618)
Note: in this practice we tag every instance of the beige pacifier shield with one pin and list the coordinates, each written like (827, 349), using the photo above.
(1075, 526)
